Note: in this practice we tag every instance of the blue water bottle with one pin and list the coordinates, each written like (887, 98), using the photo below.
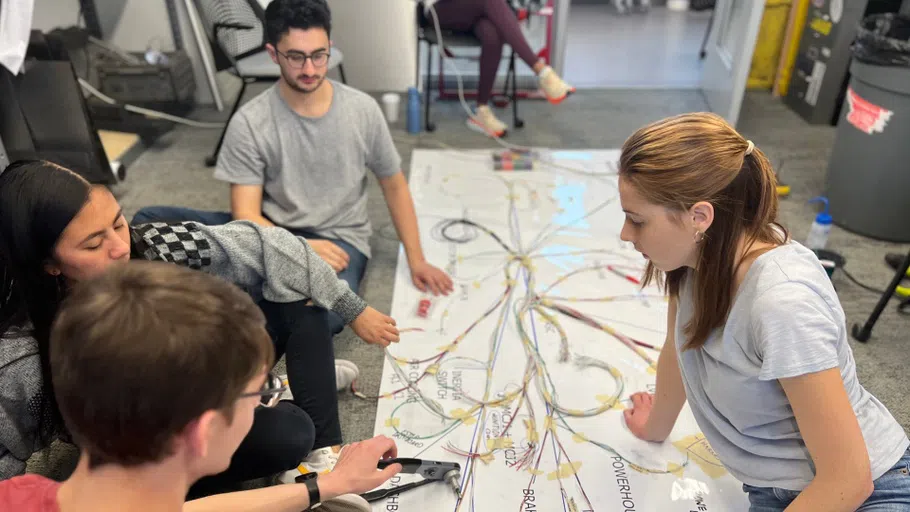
(413, 110)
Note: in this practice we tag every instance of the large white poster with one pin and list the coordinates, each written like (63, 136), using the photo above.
(521, 374)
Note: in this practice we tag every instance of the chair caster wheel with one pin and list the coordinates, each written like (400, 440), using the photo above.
(210, 161)
(519, 123)
(431, 127)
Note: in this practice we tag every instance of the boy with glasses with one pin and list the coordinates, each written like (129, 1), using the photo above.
(296, 156)
(157, 371)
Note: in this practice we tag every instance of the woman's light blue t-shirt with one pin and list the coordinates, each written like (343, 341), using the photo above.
(786, 321)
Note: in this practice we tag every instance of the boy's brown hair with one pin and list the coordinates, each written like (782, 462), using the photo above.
(140, 352)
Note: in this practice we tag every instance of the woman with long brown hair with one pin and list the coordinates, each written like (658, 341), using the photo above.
(756, 337)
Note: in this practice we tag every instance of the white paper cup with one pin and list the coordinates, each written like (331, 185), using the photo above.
(390, 104)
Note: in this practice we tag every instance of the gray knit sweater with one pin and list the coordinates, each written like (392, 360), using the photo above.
(270, 263)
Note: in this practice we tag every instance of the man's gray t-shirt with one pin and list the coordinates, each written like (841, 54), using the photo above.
(786, 321)
(312, 170)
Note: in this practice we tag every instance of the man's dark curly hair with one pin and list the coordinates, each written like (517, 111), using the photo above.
(283, 15)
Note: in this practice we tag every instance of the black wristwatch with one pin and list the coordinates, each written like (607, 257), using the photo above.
(312, 488)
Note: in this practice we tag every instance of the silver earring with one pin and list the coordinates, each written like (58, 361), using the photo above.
(699, 237)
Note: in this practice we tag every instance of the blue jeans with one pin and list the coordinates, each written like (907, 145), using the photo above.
(353, 274)
(891, 494)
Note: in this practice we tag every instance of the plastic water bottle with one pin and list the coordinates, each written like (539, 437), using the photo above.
(818, 233)
(413, 110)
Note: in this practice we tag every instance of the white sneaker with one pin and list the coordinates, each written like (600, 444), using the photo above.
(553, 87)
(346, 372)
(320, 461)
(485, 121)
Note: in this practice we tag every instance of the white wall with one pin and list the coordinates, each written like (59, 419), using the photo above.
(379, 41)
(378, 37)
(130, 25)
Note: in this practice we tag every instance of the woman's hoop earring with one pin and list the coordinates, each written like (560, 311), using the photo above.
(699, 237)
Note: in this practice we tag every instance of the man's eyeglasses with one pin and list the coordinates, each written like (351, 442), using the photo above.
(298, 59)
(270, 393)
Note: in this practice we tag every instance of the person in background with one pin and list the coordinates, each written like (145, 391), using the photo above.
(296, 156)
(756, 337)
(495, 24)
(159, 371)
(56, 230)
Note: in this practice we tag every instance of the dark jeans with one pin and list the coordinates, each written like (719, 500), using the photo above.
(494, 23)
(351, 275)
(891, 493)
(283, 435)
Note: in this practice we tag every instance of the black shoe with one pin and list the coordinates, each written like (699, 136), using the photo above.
(895, 260)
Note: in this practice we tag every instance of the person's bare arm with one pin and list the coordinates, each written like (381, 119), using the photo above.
(829, 427)
(246, 204)
(652, 417)
(401, 207)
(354, 473)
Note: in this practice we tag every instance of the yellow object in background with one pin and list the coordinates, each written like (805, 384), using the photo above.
(768, 46)
(791, 47)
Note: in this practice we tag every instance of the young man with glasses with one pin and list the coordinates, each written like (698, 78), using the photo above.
(157, 370)
(296, 156)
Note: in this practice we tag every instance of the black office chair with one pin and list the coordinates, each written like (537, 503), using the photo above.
(236, 31)
(426, 32)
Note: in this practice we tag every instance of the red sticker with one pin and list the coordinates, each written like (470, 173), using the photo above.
(865, 116)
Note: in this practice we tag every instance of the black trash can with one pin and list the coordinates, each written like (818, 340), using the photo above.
(869, 168)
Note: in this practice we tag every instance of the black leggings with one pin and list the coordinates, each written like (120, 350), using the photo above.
(494, 23)
(283, 435)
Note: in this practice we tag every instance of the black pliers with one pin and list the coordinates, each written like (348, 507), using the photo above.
(430, 470)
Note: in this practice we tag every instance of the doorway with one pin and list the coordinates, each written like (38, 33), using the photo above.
(657, 48)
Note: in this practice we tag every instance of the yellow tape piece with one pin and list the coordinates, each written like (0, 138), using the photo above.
(565, 470)
(393, 422)
(548, 423)
(486, 459)
(605, 399)
(432, 369)
(675, 469)
(547, 396)
(618, 406)
(533, 436)
(499, 443)
(477, 284)
(698, 449)
(575, 412)
(652, 370)
(580, 438)
(447, 348)
(535, 472)
(614, 372)
(466, 417)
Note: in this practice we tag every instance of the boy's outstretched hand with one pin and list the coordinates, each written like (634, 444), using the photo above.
(375, 328)
(428, 278)
(355, 472)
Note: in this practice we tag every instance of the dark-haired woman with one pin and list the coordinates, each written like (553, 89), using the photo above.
(56, 229)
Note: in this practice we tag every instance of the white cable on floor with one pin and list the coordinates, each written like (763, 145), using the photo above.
(145, 111)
